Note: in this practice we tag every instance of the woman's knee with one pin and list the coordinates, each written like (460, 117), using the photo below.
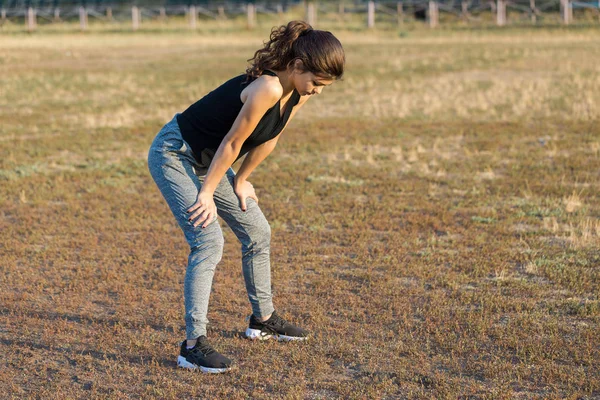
(259, 236)
(206, 243)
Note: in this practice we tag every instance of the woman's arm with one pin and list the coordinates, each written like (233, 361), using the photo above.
(255, 157)
(256, 105)
(263, 96)
(259, 153)
(241, 186)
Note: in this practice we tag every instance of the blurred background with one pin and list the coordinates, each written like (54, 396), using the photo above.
(157, 14)
(435, 214)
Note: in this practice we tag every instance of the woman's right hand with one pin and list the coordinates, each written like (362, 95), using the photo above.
(204, 211)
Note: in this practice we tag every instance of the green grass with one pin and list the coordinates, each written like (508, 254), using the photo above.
(435, 219)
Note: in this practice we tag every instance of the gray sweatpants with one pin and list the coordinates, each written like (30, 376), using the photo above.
(179, 178)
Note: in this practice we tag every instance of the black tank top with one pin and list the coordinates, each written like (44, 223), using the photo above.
(206, 122)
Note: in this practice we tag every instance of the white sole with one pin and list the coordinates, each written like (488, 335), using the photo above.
(183, 363)
(256, 334)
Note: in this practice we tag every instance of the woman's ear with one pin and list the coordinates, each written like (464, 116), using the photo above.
(298, 65)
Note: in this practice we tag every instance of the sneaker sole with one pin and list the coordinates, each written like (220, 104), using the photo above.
(256, 334)
(183, 363)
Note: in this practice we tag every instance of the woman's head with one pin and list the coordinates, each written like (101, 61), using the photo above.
(298, 46)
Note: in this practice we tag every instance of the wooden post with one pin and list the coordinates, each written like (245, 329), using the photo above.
(56, 14)
(311, 14)
(83, 20)
(192, 15)
(400, 11)
(533, 15)
(251, 15)
(3, 12)
(31, 20)
(280, 13)
(501, 13)
(162, 14)
(109, 13)
(135, 18)
(566, 11)
(341, 9)
(464, 11)
(433, 14)
(221, 12)
(371, 14)
(570, 8)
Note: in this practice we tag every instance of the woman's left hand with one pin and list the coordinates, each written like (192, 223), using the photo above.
(244, 189)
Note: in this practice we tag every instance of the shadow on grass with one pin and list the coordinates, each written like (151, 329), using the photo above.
(107, 322)
(84, 319)
(78, 350)
(98, 355)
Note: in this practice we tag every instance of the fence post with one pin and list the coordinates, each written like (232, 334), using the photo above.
(464, 11)
(31, 20)
(83, 18)
(221, 12)
(135, 18)
(532, 7)
(162, 13)
(400, 11)
(341, 9)
(566, 11)
(311, 14)
(56, 14)
(192, 15)
(3, 12)
(501, 13)
(371, 14)
(433, 14)
(251, 9)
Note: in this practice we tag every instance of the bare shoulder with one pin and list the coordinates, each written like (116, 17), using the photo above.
(265, 88)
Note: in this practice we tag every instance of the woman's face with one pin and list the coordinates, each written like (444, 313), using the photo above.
(307, 83)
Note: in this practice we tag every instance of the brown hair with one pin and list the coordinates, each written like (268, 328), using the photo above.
(320, 51)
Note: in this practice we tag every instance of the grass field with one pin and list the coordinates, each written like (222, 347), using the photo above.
(435, 218)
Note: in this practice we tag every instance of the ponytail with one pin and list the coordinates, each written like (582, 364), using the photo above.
(321, 53)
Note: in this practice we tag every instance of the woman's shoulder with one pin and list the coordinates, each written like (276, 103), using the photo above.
(265, 87)
(269, 85)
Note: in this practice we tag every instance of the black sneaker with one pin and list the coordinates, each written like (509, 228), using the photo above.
(202, 356)
(275, 327)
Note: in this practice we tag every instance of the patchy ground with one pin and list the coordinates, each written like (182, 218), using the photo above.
(435, 216)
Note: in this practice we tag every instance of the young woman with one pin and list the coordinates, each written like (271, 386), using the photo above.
(190, 161)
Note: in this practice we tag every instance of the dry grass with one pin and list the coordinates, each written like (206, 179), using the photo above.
(435, 220)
